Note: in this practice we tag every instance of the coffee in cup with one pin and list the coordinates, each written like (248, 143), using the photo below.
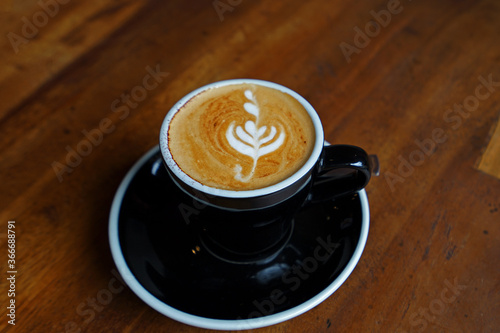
(241, 136)
(247, 144)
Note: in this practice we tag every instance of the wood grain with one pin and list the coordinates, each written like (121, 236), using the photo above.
(407, 93)
(490, 160)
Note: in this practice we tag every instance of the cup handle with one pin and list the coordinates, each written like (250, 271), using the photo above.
(342, 169)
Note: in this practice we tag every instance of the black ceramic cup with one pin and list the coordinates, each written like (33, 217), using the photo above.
(251, 225)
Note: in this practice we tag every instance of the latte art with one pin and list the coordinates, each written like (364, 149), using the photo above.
(241, 137)
(249, 141)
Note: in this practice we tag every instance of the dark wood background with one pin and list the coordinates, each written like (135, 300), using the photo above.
(415, 82)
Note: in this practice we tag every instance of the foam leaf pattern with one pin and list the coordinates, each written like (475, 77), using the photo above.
(249, 141)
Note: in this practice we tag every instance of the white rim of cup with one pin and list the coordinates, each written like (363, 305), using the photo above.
(222, 324)
(310, 163)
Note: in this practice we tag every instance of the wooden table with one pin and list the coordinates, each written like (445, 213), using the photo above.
(85, 85)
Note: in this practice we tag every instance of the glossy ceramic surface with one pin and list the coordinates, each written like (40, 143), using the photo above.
(165, 261)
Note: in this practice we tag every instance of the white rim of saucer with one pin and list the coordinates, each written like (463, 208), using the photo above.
(222, 324)
(310, 163)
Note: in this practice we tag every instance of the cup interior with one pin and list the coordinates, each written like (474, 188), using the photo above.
(180, 176)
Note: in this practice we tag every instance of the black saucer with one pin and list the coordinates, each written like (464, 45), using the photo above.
(166, 264)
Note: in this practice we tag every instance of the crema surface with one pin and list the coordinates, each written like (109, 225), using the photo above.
(241, 137)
